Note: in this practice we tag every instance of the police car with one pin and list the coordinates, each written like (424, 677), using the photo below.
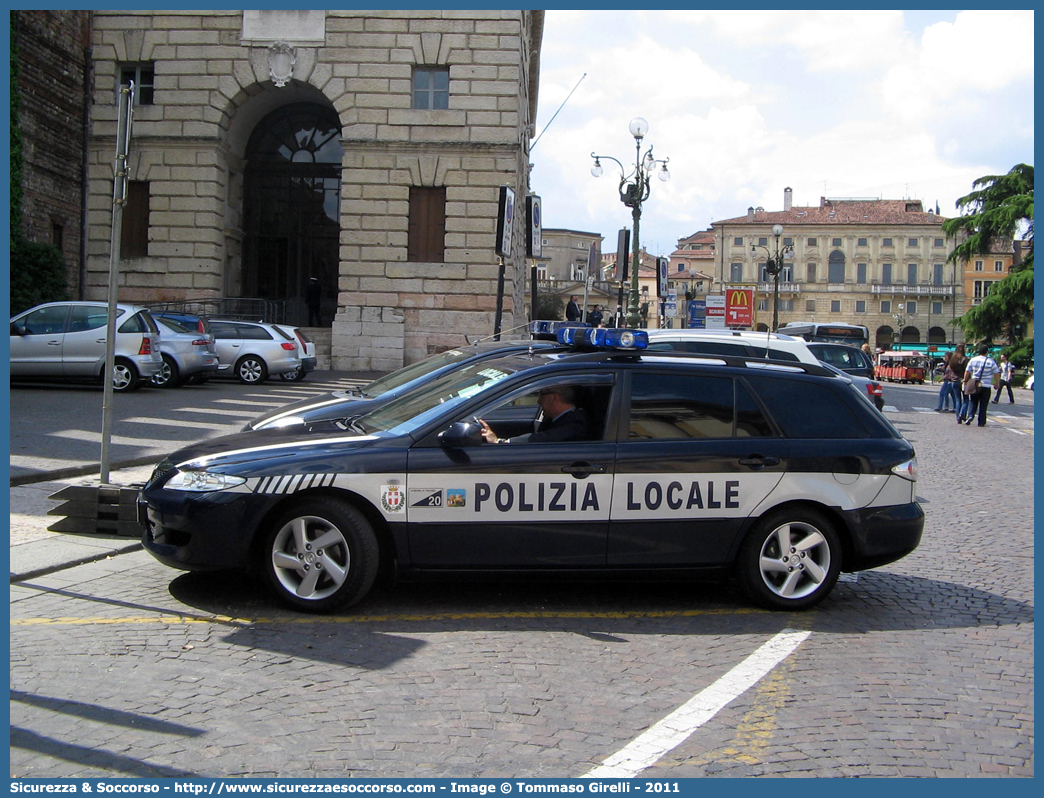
(777, 473)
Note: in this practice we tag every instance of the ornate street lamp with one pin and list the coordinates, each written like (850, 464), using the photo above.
(900, 321)
(634, 190)
(774, 266)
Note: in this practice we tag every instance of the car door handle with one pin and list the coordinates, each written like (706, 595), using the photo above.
(758, 461)
(581, 470)
(54, 343)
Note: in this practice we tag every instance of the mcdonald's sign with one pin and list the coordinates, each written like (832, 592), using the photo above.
(739, 307)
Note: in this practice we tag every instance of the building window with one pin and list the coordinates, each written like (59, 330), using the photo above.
(978, 266)
(860, 306)
(937, 308)
(887, 242)
(836, 242)
(912, 242)
(810, 306)
(861, 242)
(939, 242)
(144, 77)
(835, 305)
(581, 245)
(430, 88)
(886, 306)
(861, 273)
(786, 305)
(911, 308)
(736, 273)
(810, 270)
(737, 241)
(812, 242)
(937, 274)
(426, 238)
(998, 265)
(762, 305)
(886, 273)
(836, 268)
(788, 242)
(541, 271)
(911, 274)
(982, 289)
(134, 233)
(58, 235)
(763, 242)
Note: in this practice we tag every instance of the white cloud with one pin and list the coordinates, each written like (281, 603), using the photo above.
(836, 103)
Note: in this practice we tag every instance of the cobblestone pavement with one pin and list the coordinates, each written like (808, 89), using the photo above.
(921, 668)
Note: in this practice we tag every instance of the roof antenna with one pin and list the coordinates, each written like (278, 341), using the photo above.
(542, 132)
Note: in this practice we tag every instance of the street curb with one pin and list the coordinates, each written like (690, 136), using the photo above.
(80, 471)
(15, 578)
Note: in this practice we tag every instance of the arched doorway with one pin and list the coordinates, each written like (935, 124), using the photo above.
(292, 208)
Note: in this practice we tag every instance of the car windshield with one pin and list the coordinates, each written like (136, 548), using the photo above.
(413, 372)
(415, 409)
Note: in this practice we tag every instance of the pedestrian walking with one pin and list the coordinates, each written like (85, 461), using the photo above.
(870, 356)
(1007, 371)
(980, 375)
(949, 393)
(573, 312)
(313, 299)
(958, 364)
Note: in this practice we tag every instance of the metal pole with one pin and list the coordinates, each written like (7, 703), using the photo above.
(500, 301)
(124, 122)
(633, 316)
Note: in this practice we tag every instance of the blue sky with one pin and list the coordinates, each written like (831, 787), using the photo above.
(878, 103)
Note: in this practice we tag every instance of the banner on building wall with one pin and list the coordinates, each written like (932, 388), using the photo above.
(505, 221)
(739, 307)
(534, 231)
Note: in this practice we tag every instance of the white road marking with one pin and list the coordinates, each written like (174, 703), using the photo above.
(173, 422)
(663, 737)
(1016, 431)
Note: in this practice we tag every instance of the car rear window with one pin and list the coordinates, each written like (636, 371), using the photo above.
(140, 322)
(807, 409)
(252, 333)
(683, 406)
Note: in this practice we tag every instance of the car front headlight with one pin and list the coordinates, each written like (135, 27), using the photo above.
(202, 481)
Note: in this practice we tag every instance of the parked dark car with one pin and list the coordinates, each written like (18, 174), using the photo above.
(678, 466)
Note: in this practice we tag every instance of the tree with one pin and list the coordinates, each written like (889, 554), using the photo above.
(1000, 207)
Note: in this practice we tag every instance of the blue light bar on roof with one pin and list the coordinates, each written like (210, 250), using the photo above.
(548, 329)
(603, 338)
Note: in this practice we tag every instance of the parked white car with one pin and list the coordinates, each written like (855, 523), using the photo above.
(308, 356)
(66, 341)
(738, 343)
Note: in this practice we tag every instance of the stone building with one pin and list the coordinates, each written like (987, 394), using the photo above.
(364, 148)
(878, 263)
(567, 259)
(53, 59)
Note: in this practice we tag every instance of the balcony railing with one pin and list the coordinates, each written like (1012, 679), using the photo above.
(901, 288)
(784, 288)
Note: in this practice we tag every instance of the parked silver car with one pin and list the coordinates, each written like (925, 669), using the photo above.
(187, 354)
(66, 340)
(253, 351)
(308, 356)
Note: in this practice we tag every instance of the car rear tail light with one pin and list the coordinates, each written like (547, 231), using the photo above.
(201, 342)
(874, 388)
(146, 346)
(289, 347)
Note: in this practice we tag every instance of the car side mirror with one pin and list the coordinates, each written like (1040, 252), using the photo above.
(461, 434)
(17, 330)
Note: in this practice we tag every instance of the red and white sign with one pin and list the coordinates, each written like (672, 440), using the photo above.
(715, 312)
(739, 307)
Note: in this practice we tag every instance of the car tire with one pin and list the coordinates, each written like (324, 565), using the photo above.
(296, 375)
(251, 370)
(790, 560)
(320, 555)
(169, 376)
(125, 377)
